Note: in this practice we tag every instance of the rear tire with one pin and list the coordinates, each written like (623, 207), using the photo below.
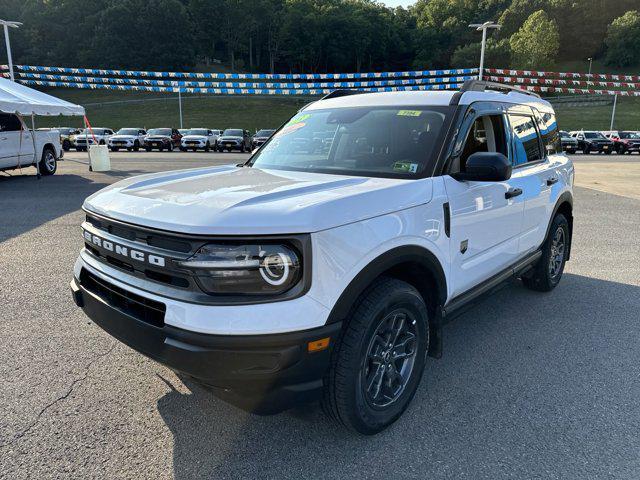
(48, 163)
(377, 364)
(548, 271)
(148, 149)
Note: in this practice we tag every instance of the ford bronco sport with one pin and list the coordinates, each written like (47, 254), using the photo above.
(326, 265)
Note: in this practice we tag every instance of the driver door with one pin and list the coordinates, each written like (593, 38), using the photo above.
(486, 217)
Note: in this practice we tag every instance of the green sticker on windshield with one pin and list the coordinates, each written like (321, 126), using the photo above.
(409, 113)
(405, 167)
(298, 119)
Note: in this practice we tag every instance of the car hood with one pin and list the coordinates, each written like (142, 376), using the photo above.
(230, 200)
(194, 137)
(157, 137)
(123, 137)
(227, 137)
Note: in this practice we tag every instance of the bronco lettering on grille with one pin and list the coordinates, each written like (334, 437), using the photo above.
(124, 251)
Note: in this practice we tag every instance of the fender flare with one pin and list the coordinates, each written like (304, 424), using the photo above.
(565, 197)
(389, 259)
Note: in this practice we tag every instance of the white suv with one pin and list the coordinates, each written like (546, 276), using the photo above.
(199, 139)
(326, 269)
(127, 138)
(93, 136)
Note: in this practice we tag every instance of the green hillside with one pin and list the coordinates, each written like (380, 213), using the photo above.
(124, 109)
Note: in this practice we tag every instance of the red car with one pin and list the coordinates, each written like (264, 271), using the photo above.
(625, 141)
(162, 139)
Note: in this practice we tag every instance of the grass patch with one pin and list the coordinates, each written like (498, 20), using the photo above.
(136, 109)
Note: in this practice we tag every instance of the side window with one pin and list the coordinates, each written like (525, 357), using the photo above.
(526, 141)
(487, 134)
(549, 132)
(9, 123)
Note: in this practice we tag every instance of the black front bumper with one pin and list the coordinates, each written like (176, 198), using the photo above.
(262, 374)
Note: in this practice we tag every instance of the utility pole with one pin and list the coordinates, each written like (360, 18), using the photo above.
(613, 114)
(590, 64)
(483, 27)
(180, 104)
(6, 24)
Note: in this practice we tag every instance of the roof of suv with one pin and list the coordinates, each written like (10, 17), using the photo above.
(429, 98)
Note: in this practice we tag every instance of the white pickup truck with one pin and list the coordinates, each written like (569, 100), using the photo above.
(16, 146)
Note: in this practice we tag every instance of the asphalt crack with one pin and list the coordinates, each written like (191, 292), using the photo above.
(60, 398)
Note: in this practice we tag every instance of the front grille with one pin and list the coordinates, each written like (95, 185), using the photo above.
(140, 308)
(153, 239)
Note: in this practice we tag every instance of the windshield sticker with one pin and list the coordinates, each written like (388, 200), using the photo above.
(298, 119)
(409, 113)
(405, 167)
(291, 128)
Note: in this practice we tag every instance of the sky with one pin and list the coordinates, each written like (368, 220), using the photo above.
(398, 3)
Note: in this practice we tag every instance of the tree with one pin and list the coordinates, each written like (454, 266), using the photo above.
(497, 54)
(537, 42)
(623, 40)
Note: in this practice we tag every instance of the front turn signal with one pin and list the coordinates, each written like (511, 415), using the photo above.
(319, 345)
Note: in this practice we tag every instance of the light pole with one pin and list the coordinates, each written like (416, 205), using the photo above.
(590, 64)
(6, 24)
(483, 27)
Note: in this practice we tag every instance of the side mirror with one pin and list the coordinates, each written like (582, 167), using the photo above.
(486, 167)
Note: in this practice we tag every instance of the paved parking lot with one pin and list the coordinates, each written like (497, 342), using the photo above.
(530, 386)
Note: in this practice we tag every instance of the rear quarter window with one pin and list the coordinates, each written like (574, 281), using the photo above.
(526, 141)
(549, 132)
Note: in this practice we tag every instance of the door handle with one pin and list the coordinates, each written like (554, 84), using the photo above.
(513, 192)
(551, 181)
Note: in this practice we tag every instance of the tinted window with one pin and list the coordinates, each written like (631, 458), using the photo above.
(127, 131)
(196, 131)
(594, 135)
(264, 133)
(526, 141)
(549, 132)
(233, 133)
(627, 135)
(378, 141)
(160, 131)
(9, 123)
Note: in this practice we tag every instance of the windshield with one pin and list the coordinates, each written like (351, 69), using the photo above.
(96, 131)
(128, 131)
(366, 141)
(597, 135)
(264, 133)
(160, 131)
(564, 135)
(627, 135)
(232, 133)
(196, 131)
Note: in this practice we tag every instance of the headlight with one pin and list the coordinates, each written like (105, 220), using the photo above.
(248, 269)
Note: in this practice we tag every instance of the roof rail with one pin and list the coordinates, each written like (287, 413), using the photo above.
(342, 92)
(483, 86)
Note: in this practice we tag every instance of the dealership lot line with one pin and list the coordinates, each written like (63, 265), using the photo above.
(530, 385)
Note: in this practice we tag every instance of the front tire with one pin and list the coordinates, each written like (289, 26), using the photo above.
(548, 271)
(66, 145)
(377, 364)
(48, 163)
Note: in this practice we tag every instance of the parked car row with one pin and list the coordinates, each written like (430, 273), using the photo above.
(134, 139)
(608, 142)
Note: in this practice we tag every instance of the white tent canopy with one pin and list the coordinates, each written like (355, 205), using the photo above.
(17, 98)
